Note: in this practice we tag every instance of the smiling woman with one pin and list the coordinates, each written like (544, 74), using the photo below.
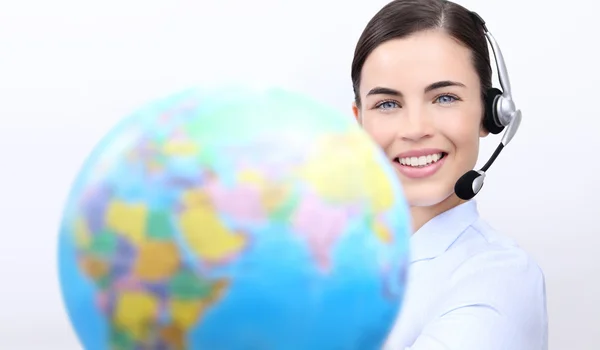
(422, 83)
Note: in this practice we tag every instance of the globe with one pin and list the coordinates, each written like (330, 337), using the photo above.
(234, 218)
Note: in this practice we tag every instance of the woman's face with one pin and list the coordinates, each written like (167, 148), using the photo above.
(421, 102)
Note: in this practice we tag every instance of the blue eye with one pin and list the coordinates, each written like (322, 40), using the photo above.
(445, 99)
(387, 105)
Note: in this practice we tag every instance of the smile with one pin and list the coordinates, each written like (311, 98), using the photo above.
(421, 161)
(420, 166)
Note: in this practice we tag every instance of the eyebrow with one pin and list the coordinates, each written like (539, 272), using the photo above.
(443, 84)
(434, 86)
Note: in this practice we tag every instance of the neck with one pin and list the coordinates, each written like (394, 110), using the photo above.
(421, 215)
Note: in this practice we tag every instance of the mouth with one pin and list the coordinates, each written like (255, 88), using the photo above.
(422, 161)
(420, 167)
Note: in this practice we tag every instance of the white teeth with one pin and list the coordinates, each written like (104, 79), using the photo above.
(420, 161)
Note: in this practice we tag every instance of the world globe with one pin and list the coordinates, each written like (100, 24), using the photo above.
(234, 218)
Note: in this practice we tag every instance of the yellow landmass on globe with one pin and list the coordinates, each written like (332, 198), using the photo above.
(205, 233)
(272, 194)
(382, 232)
(378, 186)
(180, 148)
(156, 260)
(127, 219)
(136, 312)
(185, 313)
(251, 177)
(82, 234)
(344, 168)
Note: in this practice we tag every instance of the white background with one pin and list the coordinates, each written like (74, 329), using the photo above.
(70, 69)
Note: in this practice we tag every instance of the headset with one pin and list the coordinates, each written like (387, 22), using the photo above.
(500, 113)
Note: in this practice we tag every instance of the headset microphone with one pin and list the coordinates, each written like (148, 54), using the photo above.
(470, 183)
(500, 112)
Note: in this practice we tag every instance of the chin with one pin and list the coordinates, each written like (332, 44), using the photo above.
(427, 195)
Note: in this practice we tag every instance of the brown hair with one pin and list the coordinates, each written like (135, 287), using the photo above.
(401, 18)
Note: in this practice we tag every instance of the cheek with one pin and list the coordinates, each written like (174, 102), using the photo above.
(381, 134)
(465, 138)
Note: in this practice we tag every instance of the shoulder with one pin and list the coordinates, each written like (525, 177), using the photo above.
(471, 288)
(504, 275)
(501, 276)
(491, 253)
(501, 286)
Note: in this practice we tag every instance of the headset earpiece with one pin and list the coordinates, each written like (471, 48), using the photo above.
(491, 120)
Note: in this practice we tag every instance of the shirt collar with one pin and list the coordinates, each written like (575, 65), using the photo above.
(438, 234)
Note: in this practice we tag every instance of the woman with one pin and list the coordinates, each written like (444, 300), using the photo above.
(421, 71)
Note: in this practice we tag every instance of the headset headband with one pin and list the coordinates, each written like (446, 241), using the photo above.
(508, 106)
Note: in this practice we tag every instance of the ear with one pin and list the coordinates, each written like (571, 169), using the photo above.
(483, 132)
(356, 112)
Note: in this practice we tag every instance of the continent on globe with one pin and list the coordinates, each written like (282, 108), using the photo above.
(143, 285)
(321, 235)
(327, 171)
(276, 199)
(204, 231)
(127, 219)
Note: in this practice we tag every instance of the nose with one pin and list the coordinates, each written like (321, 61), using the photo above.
(417, 125)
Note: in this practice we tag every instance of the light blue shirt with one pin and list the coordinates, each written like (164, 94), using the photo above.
(470, 288)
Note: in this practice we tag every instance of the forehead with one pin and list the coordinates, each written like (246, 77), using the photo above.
(417, 61)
